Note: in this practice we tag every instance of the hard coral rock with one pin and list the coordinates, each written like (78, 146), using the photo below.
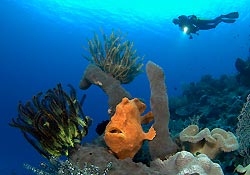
(243, 170)
(100, 157)
(209, 143)
(184, 163)
(124, 134)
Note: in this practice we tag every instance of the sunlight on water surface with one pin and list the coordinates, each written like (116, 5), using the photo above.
(133, 12)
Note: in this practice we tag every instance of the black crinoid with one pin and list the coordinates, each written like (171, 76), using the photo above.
(53, 122)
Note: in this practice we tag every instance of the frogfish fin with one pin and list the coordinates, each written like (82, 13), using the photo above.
(147, 118)
(150, 134)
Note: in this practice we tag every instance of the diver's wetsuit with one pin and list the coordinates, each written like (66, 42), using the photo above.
(205, 24)
(195, 24)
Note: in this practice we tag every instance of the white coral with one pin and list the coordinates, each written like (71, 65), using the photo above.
(185, 163)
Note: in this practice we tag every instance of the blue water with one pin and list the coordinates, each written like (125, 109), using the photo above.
(41, 45)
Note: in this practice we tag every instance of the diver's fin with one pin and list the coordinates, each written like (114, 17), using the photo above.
(228, 20)
(231, 15)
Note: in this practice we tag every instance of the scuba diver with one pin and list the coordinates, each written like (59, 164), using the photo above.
(192, 24)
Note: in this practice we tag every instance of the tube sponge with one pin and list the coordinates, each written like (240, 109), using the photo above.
(162, 145)
(112, 87)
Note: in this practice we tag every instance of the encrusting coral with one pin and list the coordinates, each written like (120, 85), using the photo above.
(116, 57)
(124, 134)
(53, 124)
(209, 143)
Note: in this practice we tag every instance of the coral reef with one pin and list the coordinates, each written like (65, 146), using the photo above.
(159, 106)
(91, 153)
(243, 68)
(243, 130)
(212, 103)
(215, 102)
(116, 58)
(124, 134)
(53, 124)
(112, 87)
(209, 143)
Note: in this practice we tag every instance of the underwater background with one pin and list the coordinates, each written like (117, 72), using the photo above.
(41, 45)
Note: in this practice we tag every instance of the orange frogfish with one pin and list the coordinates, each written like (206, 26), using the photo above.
(124, 134)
